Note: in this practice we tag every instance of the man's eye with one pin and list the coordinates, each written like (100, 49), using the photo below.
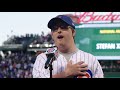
(54, 28)
(63, 27)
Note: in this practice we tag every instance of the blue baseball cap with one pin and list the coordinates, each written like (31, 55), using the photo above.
(64, 18)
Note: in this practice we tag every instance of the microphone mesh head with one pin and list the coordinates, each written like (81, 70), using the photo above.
(52, 51)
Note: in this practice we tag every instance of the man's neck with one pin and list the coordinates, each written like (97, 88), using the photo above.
(68, 54)
(68, 50)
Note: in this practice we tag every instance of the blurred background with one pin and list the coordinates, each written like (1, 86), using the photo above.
(24, 35)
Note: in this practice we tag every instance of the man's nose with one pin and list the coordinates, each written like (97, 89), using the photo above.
(59, 30)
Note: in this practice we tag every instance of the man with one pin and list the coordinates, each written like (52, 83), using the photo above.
(71, 62)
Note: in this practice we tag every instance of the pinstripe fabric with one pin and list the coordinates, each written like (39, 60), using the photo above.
(59, 65)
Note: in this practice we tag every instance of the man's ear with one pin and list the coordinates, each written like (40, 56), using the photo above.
(73, 32)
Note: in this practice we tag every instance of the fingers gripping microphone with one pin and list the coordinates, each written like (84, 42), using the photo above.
(51, 54)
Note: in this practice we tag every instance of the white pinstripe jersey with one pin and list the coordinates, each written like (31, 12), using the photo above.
(59, 65)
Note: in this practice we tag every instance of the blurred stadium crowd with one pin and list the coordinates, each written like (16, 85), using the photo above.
(32, 38)
(110, 65)
(19, 63)
(16, 63)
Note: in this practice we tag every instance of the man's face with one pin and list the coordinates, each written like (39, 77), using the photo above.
(62, 34)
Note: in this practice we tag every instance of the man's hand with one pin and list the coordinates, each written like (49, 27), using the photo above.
(79, 68)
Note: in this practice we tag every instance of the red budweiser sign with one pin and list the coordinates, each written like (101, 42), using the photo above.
(86, 17)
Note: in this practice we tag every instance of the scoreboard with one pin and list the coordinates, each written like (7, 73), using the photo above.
(99, 40)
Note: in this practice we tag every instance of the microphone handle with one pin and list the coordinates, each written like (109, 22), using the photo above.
(49, 61)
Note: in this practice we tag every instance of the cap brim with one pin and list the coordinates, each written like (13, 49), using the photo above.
(53, 21)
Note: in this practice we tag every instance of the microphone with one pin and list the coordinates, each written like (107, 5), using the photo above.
(52, 55)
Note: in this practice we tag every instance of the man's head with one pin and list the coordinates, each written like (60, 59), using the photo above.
(62, 28)
(63, 18)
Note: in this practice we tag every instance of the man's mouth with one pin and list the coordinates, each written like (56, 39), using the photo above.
(59, 36)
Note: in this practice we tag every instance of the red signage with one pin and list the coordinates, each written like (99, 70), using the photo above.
(86, 17)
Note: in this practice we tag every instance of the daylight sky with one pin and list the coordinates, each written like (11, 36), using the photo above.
(21, 23)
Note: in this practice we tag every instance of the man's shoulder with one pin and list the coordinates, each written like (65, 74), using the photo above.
(85, 53)
(41, 55)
